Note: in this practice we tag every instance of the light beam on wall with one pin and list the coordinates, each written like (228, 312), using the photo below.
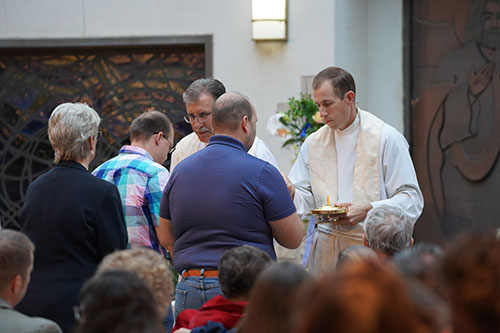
(269, 20)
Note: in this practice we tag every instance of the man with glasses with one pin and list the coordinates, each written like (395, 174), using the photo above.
(244, 201)
(199, 98)
(138, 173)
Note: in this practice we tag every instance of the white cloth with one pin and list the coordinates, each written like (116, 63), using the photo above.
(191, 144)
(398, 181)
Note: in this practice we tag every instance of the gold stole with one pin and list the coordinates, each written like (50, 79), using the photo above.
(323, 162)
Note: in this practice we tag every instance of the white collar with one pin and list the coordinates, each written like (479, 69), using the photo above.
(351, 128)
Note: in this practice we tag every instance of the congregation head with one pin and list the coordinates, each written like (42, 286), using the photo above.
(355, 253)
(16, 260)
(419, 262)
(363, 296)
(387, 230)
(273, 298)
(239, 268)
(117, 301)
(469, 276)
(70, 127)
(150, 266)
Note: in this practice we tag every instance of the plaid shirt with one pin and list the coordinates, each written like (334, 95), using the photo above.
(140, 181)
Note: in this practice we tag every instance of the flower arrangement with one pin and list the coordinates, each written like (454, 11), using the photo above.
(294, 126)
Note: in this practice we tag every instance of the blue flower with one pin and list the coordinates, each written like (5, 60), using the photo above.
(303, 132)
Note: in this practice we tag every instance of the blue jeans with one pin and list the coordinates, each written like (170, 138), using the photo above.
(168, 321)
(194, 291)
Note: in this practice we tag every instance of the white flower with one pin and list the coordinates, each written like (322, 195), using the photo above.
(275, 127)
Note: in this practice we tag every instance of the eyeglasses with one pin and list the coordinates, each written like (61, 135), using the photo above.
(172, 149)
(171, 145)
(201, 117)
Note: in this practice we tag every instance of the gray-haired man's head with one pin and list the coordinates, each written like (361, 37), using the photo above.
(387, 230)
(199, 98)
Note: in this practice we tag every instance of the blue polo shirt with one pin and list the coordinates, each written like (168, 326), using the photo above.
(222, 197)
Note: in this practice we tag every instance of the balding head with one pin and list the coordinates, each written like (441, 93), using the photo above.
(229, 109)
(234, 115)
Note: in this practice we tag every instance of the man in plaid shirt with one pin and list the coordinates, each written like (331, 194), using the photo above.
(138, 173)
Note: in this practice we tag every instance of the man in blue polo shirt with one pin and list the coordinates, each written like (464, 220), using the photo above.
(222, 197)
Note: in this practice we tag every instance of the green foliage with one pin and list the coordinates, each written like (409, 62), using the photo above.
(301, 119)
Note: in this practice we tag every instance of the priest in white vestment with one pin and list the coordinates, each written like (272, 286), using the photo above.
(357, 161)
(199, 98)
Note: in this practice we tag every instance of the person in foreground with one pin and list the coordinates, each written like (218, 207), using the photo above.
(222, 197)
(272, 303)
(73, 218)
(363, 296)
(200, 98)
(355, 253)
(150, 266)
(356, 161)
(470, 281)
(16, 263)
(273, 298)
(117, 301)
(238, 270)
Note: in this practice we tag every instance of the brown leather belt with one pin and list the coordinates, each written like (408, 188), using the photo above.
(201, 272)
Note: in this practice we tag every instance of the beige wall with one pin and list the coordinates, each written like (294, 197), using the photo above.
(361, 35)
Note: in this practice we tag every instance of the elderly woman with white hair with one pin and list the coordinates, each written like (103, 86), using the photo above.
(73, 218)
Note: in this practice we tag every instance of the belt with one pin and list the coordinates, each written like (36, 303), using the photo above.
(200, 272)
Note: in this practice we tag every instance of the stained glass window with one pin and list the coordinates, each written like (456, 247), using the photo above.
(118, 83)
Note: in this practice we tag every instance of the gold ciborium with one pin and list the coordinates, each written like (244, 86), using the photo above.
(329, 213)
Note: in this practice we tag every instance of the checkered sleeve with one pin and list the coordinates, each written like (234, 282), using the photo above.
(153, 192)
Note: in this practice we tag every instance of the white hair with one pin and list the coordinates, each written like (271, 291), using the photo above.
(388, 229)
(70, 126)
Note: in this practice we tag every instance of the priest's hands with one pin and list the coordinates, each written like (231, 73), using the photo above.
(356, 212)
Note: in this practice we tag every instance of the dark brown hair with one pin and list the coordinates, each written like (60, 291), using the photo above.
(117, 301)
(148, 123)
(271, 302)
(239, 268)
(341, 80)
